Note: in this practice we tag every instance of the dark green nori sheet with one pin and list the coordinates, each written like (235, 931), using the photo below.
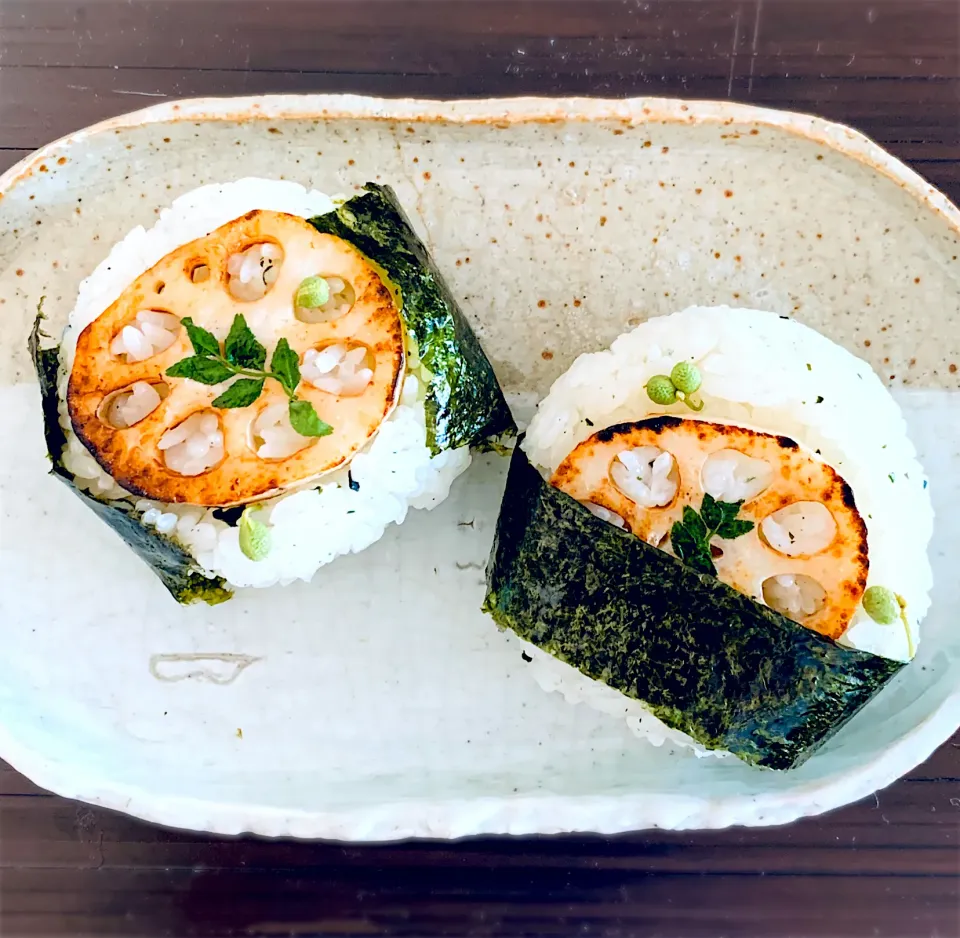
(464, 402)
(705, 659)
(174, 566)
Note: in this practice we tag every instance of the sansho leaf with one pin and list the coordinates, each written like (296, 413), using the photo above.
(304, 419)
(204, 370)
(242, 347)
(285, 364)
(729, 530)
(711, 512)
(203, 342)
(694, 523)
(241, 393)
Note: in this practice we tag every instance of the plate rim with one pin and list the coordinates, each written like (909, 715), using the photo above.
(520, 813)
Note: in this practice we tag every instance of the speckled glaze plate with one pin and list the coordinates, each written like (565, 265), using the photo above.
(339, 710)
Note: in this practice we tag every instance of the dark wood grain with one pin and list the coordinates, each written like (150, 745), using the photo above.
(889, 866)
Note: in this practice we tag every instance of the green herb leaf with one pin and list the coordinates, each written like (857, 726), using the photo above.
(691, 550)
(730, 510)
(255, 538)
(285, 365)
(694, 523)
(729, 530)
(241, 393)
(691, 536)
(684, 543)
(242, 348)
(204, 370)
(203, 342)
(304, 419)
(711, 512)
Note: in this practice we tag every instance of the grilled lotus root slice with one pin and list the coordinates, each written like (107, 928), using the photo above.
(252, 266)
(806, 555)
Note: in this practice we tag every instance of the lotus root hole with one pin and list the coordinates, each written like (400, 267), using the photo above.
(198, 271)
(253, 271)
(193, 446)
(800, 529)
(647, 475)
(271, 435)
(731, 476)
(340, 302)
(342, 368)
(128, 406)
(604, 514)
(794, 595)
(151, 332)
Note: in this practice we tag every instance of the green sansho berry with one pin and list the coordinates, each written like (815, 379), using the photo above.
(661, 390)
(881, 605)
(312, 293)
(255, 541)
(686, 377)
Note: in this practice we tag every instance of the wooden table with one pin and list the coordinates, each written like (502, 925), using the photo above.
(887, 866)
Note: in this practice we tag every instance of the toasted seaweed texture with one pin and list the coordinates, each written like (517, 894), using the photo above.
(704, 658)
(176, 569)
(464, 402)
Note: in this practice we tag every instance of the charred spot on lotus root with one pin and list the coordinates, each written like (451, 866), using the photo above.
(252, 271)
(800, 529)
(797, 596)
(341, 297)
(149, 333)
(271, 435)
(846, 494)
(342, 368)
(655, 425)
(731, 476)
(195, 445)
(647, 475)
(128, 406)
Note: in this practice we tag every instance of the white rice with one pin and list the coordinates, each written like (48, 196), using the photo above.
(312, 526)
(773, 374)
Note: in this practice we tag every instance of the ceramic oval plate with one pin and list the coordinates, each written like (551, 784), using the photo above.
(335, 710)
